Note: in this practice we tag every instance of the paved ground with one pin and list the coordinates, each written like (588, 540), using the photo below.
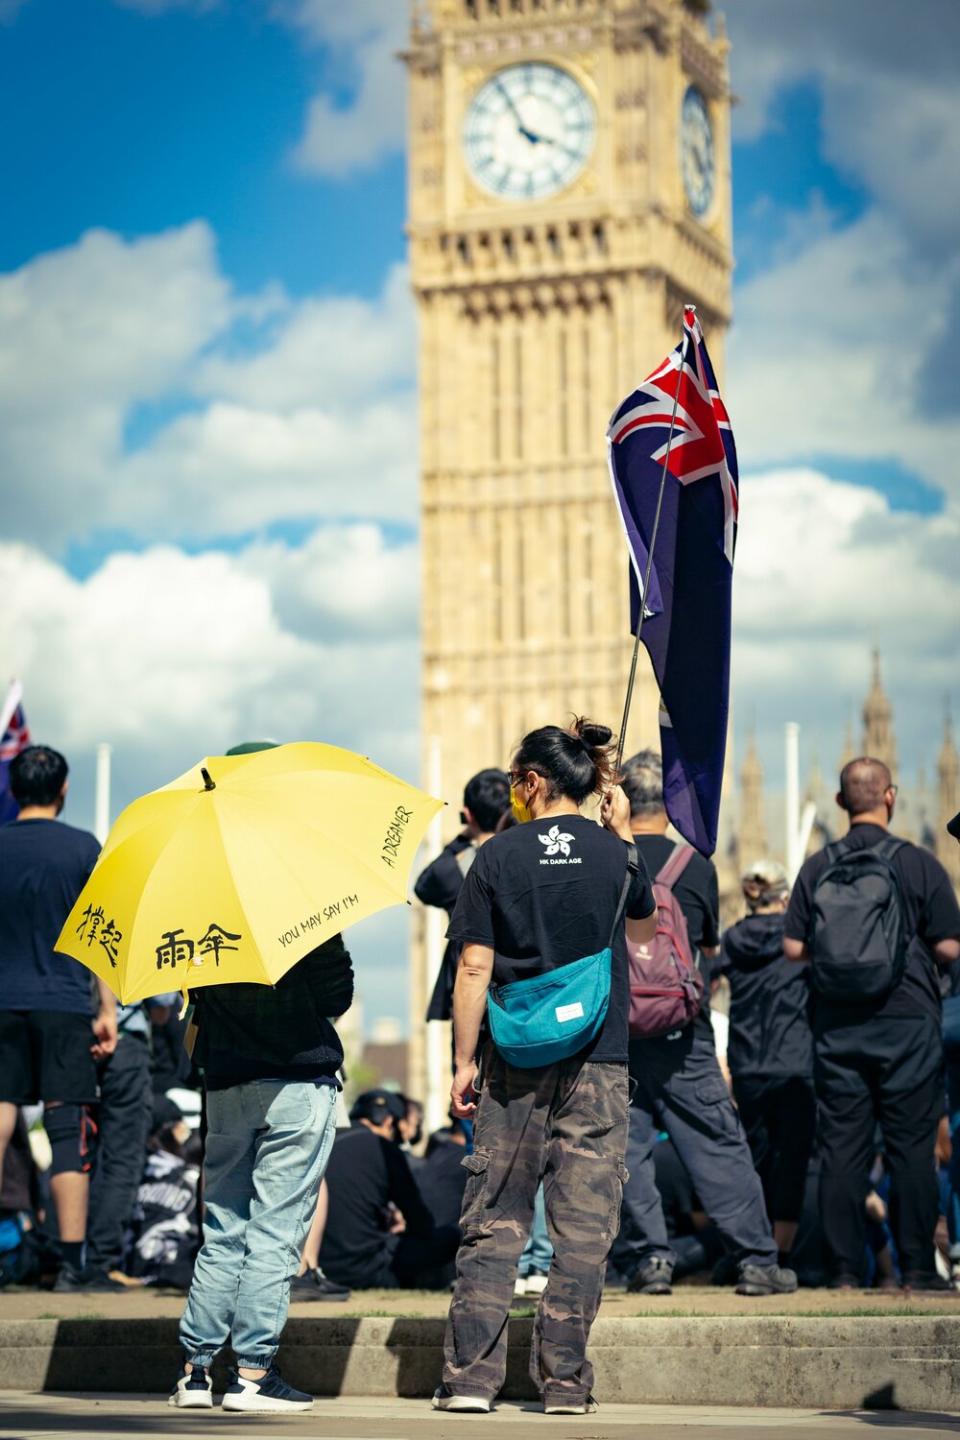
(686, 1300)
(40, 1417)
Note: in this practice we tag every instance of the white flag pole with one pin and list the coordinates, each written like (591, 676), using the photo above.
(101, 823)
(631, 679)
(437, 1041)
(791, 736)
(13, 698)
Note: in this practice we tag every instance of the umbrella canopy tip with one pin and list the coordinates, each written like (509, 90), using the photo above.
(208, 783)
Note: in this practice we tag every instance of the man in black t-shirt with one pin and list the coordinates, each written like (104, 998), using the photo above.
(881, 1060)
(56, 1019)
(486, 799)
(369, 1178)
(678, 1087)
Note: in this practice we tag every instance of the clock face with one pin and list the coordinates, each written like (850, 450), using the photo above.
(696, 152)
(529, 131)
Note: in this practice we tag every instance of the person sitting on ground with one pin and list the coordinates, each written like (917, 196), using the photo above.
(379, 1234)
(486, 799)
(770, 1050)
(56, 1020)
(311, 1282)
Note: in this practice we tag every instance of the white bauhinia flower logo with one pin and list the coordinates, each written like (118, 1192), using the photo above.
(556, 841)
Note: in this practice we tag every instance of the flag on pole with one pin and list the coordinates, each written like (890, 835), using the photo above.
(686, 625)
(14, 737)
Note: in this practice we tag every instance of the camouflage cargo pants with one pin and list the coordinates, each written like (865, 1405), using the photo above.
(568, 1124)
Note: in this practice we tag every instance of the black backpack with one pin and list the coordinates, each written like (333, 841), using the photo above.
(858, 923)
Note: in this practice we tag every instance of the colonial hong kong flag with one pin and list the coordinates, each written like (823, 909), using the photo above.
(686, 626)
(14, 737)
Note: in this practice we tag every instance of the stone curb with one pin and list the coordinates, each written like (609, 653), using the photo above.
(811, 1362)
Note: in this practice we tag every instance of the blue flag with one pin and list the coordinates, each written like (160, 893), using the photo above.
(686, 626)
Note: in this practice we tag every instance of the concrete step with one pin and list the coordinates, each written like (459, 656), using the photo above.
(841, 1362)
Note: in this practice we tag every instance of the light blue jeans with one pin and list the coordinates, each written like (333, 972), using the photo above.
(267, 1147)
(538, 1252)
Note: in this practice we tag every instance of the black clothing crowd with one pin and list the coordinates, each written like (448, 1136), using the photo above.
(822, 1143)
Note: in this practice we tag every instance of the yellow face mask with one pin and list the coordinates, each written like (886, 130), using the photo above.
(520, 812)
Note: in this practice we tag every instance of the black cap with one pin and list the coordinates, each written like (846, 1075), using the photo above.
(376, 1105)
(953, 826)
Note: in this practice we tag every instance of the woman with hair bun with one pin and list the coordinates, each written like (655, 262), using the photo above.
(540, 920)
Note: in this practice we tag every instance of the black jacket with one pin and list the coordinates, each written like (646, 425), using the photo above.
(278, 1032)
(769, 1002)
(439, 885)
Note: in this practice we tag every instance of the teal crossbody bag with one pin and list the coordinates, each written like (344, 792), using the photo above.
(550, 1017)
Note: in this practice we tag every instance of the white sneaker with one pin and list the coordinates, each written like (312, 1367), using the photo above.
(270, 1393)
(444, 1399)
(520, 1288)
(193, 1391)
(536, 1282)
(571, 1407)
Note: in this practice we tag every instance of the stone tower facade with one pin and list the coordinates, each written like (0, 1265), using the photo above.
(878, 737)
(751, 822)
(569, 190)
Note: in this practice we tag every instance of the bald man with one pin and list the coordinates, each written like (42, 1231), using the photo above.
(878, 1058)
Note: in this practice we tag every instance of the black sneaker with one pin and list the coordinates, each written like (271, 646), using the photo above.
(927, 1280)
(314, 1285)
(88, 1281)
(766, 1280)
(653, 1277)
(270, 1393)
(193, 1391)
(844, 1282)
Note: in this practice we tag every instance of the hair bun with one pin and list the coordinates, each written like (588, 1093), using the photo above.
(595, 737)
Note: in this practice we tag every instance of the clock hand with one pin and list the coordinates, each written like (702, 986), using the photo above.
(512, 107)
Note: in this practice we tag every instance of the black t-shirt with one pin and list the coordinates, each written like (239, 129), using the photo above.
(545, 894)
(44, 865)
(932, 915)
(364, 1174)
(697, 893)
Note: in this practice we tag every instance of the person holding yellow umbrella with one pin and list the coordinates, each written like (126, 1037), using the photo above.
(235, 881)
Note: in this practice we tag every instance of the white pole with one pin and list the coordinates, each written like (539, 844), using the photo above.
(792, 756)
(101, 823)
(13, 697)
(806, 830)
(437, 1045)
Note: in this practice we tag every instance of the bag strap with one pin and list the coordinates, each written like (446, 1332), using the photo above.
(675, 864)
(633, 869)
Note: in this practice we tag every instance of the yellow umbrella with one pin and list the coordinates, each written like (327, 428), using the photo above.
(243, 865)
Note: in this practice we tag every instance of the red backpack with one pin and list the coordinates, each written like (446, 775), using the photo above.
(666, 988)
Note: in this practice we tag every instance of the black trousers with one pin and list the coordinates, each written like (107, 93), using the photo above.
(126, 1108)
(678, 1087)
(887, 1072)
(779, 1114)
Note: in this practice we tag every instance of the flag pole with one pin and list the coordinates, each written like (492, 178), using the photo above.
(631, 680)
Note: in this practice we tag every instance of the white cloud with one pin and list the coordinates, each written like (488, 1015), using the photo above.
(171, 656)
(175, 655)
(826, 350)
(825, 571)
(361, 40)
(256, 408)
(888, 84)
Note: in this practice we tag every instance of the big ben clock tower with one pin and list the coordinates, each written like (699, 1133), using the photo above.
(569, 190)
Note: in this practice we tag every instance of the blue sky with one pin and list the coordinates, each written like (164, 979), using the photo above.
(207, 389)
